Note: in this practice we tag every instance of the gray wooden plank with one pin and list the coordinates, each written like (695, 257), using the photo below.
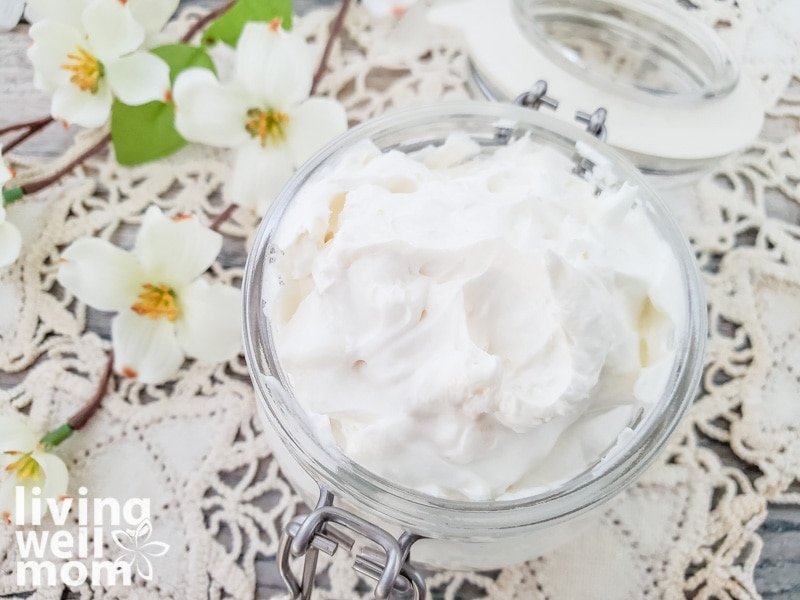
(777, 574)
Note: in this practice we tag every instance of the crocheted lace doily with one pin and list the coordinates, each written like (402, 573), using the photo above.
(687, 528)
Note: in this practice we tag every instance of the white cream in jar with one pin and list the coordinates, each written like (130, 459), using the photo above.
(472, 326)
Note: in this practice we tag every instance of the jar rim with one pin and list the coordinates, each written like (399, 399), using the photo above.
(686, 62)
(462, 519)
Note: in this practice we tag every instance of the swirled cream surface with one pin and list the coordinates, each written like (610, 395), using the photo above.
(471, 326)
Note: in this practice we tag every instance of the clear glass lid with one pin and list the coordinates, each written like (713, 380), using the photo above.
(644, 49)
(675, 101)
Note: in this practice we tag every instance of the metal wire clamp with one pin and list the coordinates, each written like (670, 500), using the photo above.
(537, 97)
(321, 531)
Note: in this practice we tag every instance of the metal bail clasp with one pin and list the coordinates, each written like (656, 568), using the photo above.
(306, 536)
(536, 96)
(595, 122)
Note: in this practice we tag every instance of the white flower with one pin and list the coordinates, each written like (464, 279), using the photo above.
(86, 52)
(385, 8)
(164, 310)
(152, 15)
(264, 112)
(10, 238)
(138, 550)
(10, 13)
(23, 462)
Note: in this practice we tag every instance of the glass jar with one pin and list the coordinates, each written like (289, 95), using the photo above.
(463, 534)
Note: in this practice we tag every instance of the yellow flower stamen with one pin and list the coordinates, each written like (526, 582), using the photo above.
(25, 467)
(267, 125)
(156, 301)
(86, 70)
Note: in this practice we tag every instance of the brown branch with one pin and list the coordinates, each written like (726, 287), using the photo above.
(80, 418)
(205, 20)
(224, 216)
(35, 186)
(21, 138)
(27, 125)
(335, 32)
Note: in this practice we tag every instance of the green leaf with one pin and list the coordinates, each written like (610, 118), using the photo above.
(183, 56)
(228, 27)
(147, 132)
(144, 133)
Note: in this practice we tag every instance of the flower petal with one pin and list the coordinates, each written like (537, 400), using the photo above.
(143, 532)
(52, 42)
(100, 274)
(274, 65)
(82, 108)
(123, 539)
(145, 348)
(10, 14)
(155, 549)
(6, 174)
(175, 251)
(386, 8)
(258, 175)
(312, 125)
(138, 78)
(56, 476)
(152, 15)
(10, 243)
(64, 11)
(111, 29)
(16, 435)
(144, 568)
(8, 499)
(207, 111)
(210, 326)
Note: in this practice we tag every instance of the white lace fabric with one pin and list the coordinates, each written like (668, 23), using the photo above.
(687, 528)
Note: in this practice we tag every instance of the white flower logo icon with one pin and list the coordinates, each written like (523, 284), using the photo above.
(137, 550)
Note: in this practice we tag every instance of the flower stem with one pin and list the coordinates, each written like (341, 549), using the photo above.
(205, 20)
(80, 418)
(35, 186)
(336, 30)
(27, 125)
(224, 216)
(11, 195)
(32, 130)
(53, 438)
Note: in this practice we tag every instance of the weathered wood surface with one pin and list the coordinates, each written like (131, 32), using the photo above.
(778, 571)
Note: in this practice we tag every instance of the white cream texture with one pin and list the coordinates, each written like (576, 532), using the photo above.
(472, 327)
